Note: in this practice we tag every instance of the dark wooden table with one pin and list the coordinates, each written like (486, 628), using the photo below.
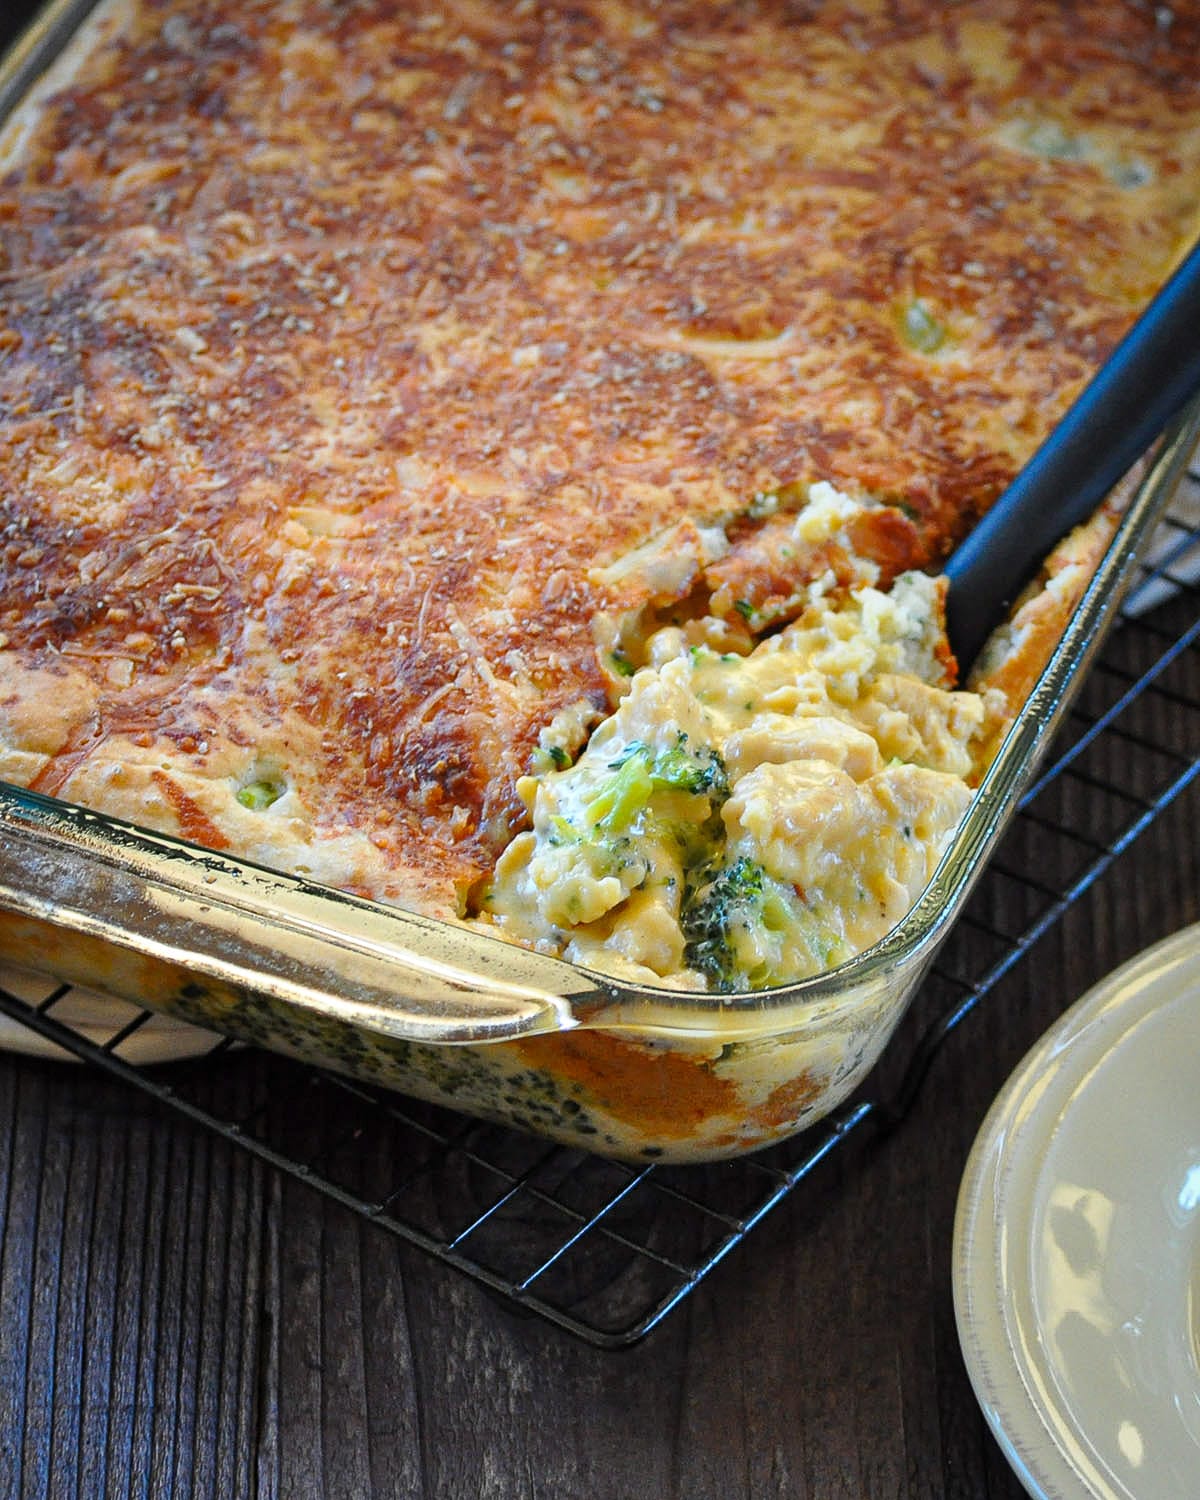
(178, 1319)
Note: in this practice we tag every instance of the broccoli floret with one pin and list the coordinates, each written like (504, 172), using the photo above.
(623, 795)
(635, 750)
(638, 774)
(259, 795)
(680, 768)
(740, 923)
(686, 770)
(549, 758)
(716, 904)
(921, 329)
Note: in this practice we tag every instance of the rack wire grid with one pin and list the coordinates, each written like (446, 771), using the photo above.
(606, 1250)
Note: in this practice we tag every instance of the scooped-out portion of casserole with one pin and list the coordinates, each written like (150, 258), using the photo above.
(379, 383)
(750, 817)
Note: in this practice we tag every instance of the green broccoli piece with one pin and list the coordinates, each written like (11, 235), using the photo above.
(635, 750)
(639, 773)
(560, 831)
(258, 795)
(722, 906)
(549, 758)
(922, 331)
(680, 768)
(699, 771)
(624, 795)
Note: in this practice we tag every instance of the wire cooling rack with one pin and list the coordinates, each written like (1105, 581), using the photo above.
(604, 1250)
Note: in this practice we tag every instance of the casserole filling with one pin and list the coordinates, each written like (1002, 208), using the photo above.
(749, 817)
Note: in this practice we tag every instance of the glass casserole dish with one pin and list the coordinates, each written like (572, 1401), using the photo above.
(630, 1069)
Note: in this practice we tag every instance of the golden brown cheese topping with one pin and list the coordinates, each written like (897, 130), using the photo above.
(348, 352)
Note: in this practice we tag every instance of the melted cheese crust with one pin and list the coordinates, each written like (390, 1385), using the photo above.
(347, 353)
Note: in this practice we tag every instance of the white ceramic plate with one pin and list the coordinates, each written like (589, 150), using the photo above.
(1077, 1244)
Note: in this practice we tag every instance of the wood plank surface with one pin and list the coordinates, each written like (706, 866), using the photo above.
(178, 1319)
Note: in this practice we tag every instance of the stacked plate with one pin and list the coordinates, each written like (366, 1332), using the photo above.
(1077, 1244)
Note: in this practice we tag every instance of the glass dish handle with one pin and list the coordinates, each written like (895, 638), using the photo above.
(205, 914)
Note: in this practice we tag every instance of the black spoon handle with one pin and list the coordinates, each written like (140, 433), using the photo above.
(1144, 383)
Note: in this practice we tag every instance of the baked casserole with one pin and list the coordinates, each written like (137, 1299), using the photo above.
(496, 459)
